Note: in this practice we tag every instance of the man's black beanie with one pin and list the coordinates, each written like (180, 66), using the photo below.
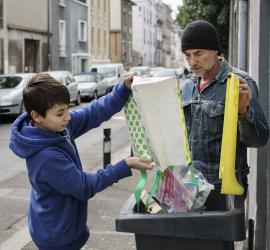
(200, 35)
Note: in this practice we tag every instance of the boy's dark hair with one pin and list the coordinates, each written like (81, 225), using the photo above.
(42, 92)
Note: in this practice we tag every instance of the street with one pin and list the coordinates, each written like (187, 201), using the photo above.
(103, 208)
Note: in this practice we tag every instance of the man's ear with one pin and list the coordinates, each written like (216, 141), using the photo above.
(36, 116)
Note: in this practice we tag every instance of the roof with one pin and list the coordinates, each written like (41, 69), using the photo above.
(17, 74)
(106, 65)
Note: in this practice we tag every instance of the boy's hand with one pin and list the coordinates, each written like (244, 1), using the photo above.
(128, 79)
(245, 95)
(139, 163)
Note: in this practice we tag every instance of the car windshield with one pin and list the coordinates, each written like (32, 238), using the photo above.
(85, 78)
(9, 82)
(140, 70)
(107, 71)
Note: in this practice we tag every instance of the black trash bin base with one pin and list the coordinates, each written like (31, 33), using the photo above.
(208, 230)
(152, 242)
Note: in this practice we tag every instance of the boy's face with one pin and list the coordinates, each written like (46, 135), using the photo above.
(55, 120)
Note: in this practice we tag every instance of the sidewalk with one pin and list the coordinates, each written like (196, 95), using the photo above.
(107, 205)
(104, 208)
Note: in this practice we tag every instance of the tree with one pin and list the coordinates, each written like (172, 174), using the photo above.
(216, 12)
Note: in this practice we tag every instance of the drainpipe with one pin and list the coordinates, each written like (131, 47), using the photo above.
(5, 39)
(242, 35)
(48, 36)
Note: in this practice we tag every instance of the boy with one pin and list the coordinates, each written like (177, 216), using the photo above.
(44, 136)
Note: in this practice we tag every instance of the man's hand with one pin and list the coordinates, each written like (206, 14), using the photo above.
(245, 95)
(128, 79)
(139, 163)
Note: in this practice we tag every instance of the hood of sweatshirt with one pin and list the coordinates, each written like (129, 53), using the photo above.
(26, 140)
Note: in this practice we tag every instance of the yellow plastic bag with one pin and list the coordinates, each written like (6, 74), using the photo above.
(230, 184)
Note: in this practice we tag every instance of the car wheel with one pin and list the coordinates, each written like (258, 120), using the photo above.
(78, 101)
(108, 90)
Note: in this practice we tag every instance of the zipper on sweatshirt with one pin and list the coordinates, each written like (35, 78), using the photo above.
(69, 141)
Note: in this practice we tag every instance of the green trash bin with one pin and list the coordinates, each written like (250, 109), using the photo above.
(206, 230)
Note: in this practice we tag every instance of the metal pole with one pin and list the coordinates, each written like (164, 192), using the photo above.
(106, 147)
(48, 37)
(5, 38)
(242, 35)
(250, 234)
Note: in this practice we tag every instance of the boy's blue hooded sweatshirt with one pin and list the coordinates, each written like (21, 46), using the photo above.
(60, 189)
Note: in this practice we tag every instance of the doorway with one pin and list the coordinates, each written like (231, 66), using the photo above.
(30, 52)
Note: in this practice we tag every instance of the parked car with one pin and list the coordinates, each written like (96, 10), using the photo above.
(153, 70)
(163, 72)
(67, 78)
(112, 72)
(91, 85)
(187, 73)
(11, 93)
(140, 70)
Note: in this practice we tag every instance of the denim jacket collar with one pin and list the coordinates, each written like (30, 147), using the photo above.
(223, 71)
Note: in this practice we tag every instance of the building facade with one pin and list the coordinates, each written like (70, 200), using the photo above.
(144, 30)
(100, 31)
(137, 35)
(177, 59)
(23, 36)
(121, 32)
(166, 36)
(69, 35)
(159, 36)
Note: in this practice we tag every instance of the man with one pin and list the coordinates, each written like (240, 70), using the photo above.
(204, 101)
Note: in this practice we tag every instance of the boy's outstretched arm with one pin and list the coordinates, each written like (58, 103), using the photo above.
(61, 175)
(94, 113)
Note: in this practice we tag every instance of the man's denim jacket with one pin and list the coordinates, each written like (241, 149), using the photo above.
(204, 114)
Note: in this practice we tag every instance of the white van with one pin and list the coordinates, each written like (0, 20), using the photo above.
(112, 72)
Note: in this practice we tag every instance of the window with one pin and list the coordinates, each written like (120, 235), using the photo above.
(92, 38)
(98, 39)
(62, 38)
(62, 3)
(10, 82)
(83, 65)
(106, 71)
(121, 70)
(144, 14)
(105, 41)
(82, 31)
(144, 36)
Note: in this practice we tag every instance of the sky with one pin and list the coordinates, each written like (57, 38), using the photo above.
(173, 4)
